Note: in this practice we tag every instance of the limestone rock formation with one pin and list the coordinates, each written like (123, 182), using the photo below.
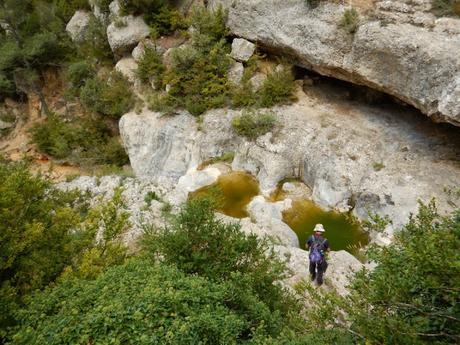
(235, 74)
(361, 159)
(77, 25)
(125, 33)
(413, 60)
(242, 49)
(127, 67)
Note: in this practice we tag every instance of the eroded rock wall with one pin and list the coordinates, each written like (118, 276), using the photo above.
(400, 50)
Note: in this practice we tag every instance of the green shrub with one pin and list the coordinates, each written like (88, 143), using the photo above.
(39, 235)
(151, 66)
(111, 97)
(140, 303)
(164, 104)
(66, 8)
(85, 142)
(252, 125)
(350, 20)
(198, 79)
(243, 95)
(95, 45)
(411, 297)
(159, 14)
(446, 7)
(78, 73)
(278, 88)
(47, 234)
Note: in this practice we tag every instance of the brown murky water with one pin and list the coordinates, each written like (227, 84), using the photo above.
(232, 192)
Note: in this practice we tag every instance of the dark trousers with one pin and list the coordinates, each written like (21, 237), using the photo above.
(317, 270)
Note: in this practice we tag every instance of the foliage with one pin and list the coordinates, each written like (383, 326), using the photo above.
(197, 238)
(78, 73)
(243, 95)
(141, 303)
(159, 14)
(151, 66)
(65, 9)
(252, 125)
(32, 39)
(350, 20)
(39, 234)
(446, 7)
(47, 234)
(86, 142)
(412, 296)
(198, 77)
(112, 97)
(95, 45)
(278, 88)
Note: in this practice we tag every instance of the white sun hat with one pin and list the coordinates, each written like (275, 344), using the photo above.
(319, 228)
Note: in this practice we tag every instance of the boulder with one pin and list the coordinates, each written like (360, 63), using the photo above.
(242, 49)
(125, 33)
(400, 57)
(257, 81)
(77, 25)
(127, 66)
(194, 179)
(235, 74)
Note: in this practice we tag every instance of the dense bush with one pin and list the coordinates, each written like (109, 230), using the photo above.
(446, 7)
(198, 77)
(78, 73)
(95, 45)
(151, 67)
(112, 96)
(159, 14)
(85, 142)
(278, 88)
(140, 303)
(252, 125)
(212, 285)
(37, 41)
(45, 232)
(412, 296)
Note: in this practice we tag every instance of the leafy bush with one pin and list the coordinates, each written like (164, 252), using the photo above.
(86, 142)
(78, 73)
(278, 88)
(46, 234)
(412, 296)
(198, 77)
(252, 125)
(196, 238)
(95, 45)
(151, 66)
(111, 97)
(350, 20)
(39, 235)
(141, 303)
(159, 14)
(446, 7)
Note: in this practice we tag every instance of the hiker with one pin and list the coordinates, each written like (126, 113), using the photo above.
(318, 247)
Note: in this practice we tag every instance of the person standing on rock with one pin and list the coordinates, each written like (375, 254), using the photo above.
(318, 246)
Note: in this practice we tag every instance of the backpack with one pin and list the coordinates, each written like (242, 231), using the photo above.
(316, 251)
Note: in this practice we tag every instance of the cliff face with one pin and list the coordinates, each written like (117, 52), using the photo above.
(398, 48)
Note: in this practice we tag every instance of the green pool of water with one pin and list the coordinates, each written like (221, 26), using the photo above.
(342, 231)
(232, 191)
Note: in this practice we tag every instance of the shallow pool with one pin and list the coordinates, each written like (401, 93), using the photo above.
(232, 191)
(342, 231)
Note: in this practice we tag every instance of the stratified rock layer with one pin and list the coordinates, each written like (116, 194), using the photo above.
(419, 65)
